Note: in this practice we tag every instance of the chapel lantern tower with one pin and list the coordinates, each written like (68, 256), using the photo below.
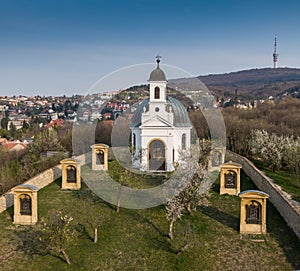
(158, 86)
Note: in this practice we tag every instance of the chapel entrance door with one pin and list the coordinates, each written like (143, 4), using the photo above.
(157, 160)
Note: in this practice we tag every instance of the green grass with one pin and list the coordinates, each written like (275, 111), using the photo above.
(136, 239)
(135, 179)
(289, 182)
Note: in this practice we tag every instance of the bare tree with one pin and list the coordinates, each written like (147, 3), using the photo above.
(174, 209)
(124, 179)
(194, 189)
(58, 232)
(89, 203)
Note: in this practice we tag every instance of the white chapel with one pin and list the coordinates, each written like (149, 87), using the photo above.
(160, 128)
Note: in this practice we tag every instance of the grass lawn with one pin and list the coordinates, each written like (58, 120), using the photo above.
(136, 239)
(289, 182)
(136, 179)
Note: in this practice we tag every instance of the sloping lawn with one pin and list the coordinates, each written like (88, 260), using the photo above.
(289, 182)
(136, 239)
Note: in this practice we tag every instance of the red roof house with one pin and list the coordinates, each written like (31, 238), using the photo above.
(53, 123)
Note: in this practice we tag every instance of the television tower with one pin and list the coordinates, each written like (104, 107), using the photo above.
(275, 54)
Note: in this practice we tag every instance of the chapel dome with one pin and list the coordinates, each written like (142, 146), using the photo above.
(181, 117)
(157, 74)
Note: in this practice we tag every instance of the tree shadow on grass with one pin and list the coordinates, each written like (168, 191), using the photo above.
(284, 235)
(246, 182)
(81, 229)
(142, 219)
(223, 218)
(30, 242)
(85, 193)
(10, 211)
(216, 187)
(109, 205)
(58, 181)
(160, 241)
(164, 244)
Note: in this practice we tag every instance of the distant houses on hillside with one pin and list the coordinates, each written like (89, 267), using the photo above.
(55, 123)
(20, 111)
(14, 145)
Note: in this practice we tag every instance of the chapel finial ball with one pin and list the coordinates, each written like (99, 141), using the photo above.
(158, 57)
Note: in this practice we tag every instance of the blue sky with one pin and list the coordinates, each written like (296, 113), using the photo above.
(63, 47)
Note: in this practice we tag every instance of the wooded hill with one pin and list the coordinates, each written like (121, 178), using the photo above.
(255, 83)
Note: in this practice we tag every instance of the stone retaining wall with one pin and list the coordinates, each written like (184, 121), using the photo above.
(289, 209)
(84, 159)
(41, 180)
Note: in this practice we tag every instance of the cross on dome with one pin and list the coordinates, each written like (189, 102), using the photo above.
(157, 74)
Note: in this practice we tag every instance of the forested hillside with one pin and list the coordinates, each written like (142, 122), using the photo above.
(253, 84)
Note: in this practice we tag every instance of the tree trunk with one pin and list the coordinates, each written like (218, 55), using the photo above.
(65, 256)
(188, 208)
(95, 235)
(183, 248)
(119, 200)
(171, 229)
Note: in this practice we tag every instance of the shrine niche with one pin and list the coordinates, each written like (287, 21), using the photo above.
(253, 212)
(25, 204)
(71, 174)
(230, 177)
(71, 178)
(217, 158)
(100, 156)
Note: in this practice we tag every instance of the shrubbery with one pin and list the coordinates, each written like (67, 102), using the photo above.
(19, 166)
(275, 151)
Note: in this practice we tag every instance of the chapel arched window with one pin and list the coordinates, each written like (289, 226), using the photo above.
(156, 93)
(183, 141)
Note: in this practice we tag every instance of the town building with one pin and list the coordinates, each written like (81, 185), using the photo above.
(14, 145)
